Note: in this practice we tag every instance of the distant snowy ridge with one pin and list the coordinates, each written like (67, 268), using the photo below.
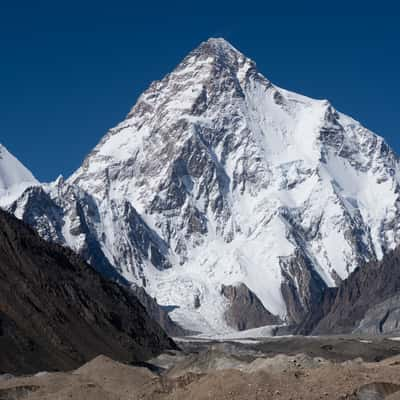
(14, 177)
(218, 177)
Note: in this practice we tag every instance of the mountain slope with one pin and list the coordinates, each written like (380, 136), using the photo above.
(372, 291)
(218, 177)
(14, 177)
(56, 312)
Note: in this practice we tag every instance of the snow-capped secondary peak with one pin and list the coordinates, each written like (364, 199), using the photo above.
(14, 177)
(218, 177)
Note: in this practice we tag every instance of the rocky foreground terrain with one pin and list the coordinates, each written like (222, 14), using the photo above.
(285, 368)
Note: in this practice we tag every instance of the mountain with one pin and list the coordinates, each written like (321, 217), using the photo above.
(245, 310)
(367, 302)
(14, 177)
(382, 319)
(57, 312)
(218, 177)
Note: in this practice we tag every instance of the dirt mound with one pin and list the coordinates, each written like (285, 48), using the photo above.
(115, 377)
(219, 373)
(282, 363)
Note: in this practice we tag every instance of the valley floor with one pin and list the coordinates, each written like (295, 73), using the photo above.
(265, 368)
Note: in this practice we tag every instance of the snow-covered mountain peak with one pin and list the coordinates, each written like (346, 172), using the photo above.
(216, 177)
(220, 45)
(14, 177)
(218, 50)
(222, 60)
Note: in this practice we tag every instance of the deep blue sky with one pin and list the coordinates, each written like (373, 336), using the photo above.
(71, 70)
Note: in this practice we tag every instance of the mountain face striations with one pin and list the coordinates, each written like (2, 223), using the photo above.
(218, 177)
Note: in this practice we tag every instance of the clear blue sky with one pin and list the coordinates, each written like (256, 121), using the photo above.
(71, 70)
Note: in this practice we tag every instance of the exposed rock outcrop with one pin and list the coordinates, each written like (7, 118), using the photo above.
(245, 310)
(301, 287)
(382, 319)
(371, 294)
(319, 309)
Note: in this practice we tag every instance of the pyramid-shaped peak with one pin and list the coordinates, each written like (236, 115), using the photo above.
(219, 48)
(220, 43)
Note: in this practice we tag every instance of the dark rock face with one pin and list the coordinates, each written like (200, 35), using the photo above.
(302, 287)
(245, 310)
(57, 312)
(317, 311)
(158, 313)
(367, 287)
(384, 318)
(45, 214)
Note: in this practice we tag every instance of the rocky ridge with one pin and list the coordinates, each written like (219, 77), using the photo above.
(57, 312)
(368, 302)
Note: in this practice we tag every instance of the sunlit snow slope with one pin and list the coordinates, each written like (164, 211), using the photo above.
(216, 176)
(14, 177)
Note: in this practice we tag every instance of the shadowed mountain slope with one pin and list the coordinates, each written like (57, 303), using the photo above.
(57, 312)
(372, 292)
